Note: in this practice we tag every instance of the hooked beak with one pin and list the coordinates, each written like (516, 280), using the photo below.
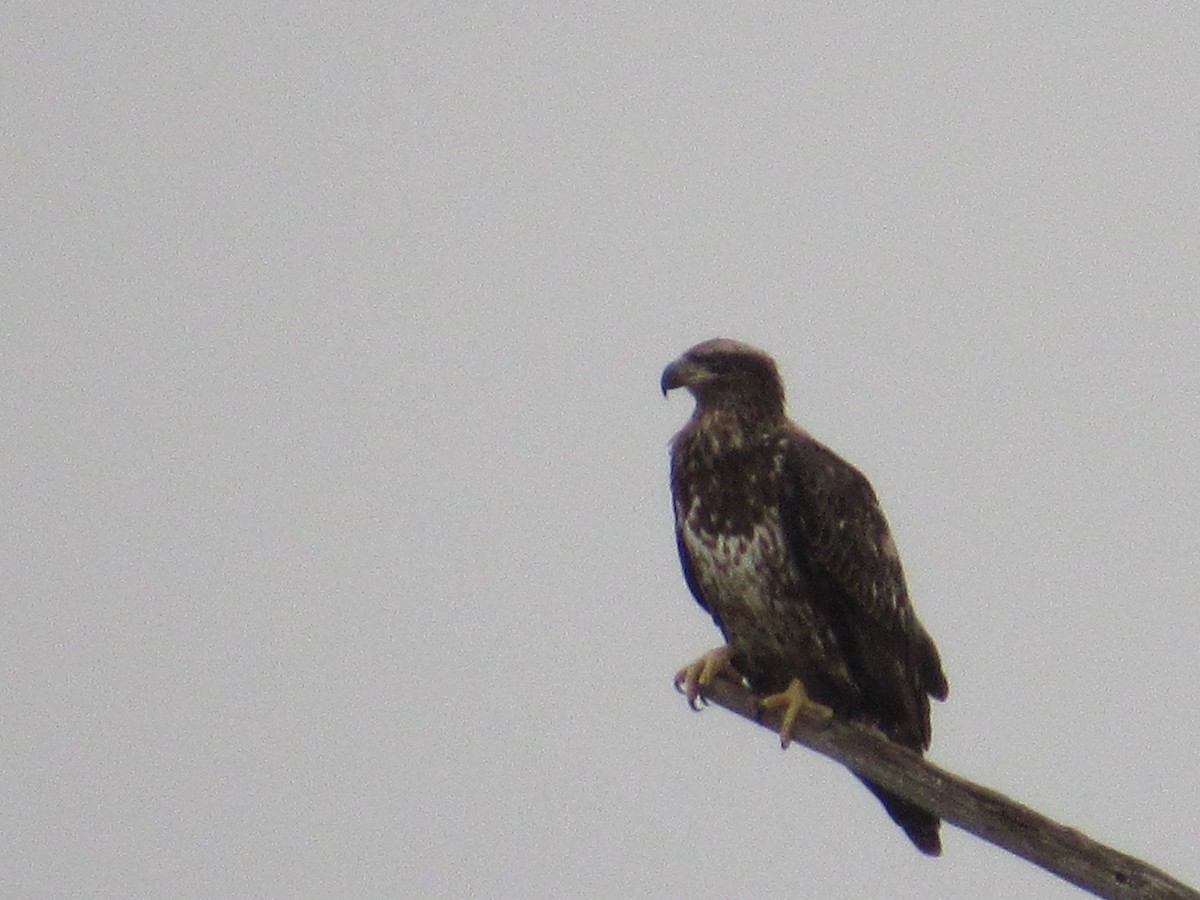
(682, 373)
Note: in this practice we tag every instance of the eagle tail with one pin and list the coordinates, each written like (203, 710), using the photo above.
(921, 827)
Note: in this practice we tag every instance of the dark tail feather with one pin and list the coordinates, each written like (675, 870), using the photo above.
(920, 826)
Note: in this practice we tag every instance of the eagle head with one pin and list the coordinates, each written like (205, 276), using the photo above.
(726, 373)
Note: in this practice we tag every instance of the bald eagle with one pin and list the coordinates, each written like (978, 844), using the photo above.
(784, 544)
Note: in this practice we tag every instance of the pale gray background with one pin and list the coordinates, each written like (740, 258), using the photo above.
(337, 555)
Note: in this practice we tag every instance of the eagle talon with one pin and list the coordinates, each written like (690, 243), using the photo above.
(697, 703)
(700, 672)
(794, 701)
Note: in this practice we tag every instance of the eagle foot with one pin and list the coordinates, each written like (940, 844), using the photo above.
(700, 672)
(794, 701)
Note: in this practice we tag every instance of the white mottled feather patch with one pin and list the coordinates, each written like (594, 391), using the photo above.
(732, 566)
(888, 546)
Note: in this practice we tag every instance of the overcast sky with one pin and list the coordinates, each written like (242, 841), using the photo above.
(337, 558)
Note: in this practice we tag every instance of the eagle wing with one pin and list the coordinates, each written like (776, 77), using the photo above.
(689, 569)
(837, 530)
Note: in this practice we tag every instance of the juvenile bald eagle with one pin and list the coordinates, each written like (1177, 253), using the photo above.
(784, 544)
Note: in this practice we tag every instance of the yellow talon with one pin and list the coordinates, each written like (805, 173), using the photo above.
(702, 671)
(794, 701)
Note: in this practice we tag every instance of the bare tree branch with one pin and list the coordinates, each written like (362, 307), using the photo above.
(1067, 853)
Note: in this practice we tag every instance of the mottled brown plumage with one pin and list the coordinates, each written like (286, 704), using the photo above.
(784, 544)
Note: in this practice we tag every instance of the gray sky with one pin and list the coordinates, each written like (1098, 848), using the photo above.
(338, 558)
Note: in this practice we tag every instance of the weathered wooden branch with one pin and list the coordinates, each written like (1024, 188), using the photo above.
(1065, 852)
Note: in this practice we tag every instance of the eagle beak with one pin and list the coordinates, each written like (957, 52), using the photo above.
(681, 373)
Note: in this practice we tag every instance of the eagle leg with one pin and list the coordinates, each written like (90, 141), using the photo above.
(700, 672)
(794, 701)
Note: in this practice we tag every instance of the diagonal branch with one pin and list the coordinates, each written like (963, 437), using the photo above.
(1065, 852)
